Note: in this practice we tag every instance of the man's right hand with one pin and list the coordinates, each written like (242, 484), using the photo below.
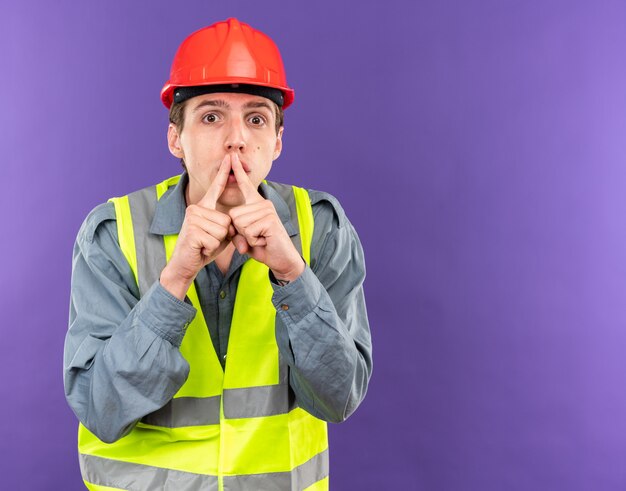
(205, 233)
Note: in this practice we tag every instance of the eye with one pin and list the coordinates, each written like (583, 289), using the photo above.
(257, 120)
(210, 118)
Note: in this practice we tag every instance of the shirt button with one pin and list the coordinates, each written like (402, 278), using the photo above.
(284, 306)
(222, 294)
(224, 357)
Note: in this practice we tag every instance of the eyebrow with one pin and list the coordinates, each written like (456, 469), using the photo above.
(257, 104)
(213, 103)
(224, 104)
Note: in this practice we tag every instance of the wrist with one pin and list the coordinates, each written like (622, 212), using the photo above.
(175, 283)
(292, 274)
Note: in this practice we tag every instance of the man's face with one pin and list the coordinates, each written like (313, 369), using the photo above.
(222, 123)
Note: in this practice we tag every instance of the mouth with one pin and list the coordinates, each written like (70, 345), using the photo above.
(245, 167)
(231, 176)
(232, 180)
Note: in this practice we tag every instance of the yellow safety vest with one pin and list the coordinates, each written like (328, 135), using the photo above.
(231, 429)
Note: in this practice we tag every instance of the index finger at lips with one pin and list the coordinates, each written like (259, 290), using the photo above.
(209, 200)
(250, 193)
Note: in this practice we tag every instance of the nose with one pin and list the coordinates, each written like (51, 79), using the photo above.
(235, 138)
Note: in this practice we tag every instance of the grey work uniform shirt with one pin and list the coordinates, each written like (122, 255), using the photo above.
(122, 358)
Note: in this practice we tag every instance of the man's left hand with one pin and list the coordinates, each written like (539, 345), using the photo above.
(260, 232)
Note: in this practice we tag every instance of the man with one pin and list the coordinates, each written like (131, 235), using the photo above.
(217, 320)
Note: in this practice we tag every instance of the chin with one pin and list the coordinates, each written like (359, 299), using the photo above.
(231, 200)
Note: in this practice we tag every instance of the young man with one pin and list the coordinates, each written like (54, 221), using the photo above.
(217, 319)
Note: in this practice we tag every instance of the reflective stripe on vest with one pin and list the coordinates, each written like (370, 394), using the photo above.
(232, 429)
(250, 402)
(124, 475)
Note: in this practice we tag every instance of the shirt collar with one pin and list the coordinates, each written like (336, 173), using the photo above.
(170, 209)
(282, 208)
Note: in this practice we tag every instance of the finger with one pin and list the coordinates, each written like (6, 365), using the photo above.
(250, 193)
(207, 244)
(207, 214)
(213, 229)
(240, 243)
(238, 211)
(243, 221)
(253, 240)
(213, 253)
(209, 200)
(257, 241)
(257, 232)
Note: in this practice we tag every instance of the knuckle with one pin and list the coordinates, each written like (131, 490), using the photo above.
(224, 219)
(214, 242)
(192, 225)
(221, 233)
(236, 221)
(192, 211)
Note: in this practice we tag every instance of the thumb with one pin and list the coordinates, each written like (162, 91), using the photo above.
(240, 243)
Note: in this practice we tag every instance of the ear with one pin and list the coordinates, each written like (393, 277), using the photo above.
(279, 143)
(173, 142)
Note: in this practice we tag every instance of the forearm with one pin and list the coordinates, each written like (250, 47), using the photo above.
(115, 375)
(328, 357)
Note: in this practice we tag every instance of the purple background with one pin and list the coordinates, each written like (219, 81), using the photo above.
(477, 146)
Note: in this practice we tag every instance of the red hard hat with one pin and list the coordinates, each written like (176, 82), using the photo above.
(228, 52)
